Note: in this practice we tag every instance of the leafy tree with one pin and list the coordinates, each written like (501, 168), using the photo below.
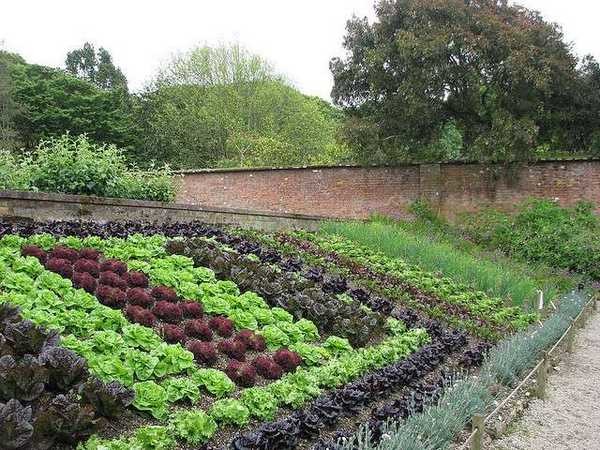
(498, 72)
(55, 102)
(95, 67)
(225, 106)
(9, 108)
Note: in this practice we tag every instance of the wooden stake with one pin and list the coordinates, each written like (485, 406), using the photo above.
(540, 300)
(479, 428)
(542, 376)
(570, 339)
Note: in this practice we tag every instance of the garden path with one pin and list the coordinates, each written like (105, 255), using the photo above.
(570, 416)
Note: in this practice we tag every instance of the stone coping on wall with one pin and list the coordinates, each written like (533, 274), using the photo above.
(109, 201)
(42, 206)
(372, 166)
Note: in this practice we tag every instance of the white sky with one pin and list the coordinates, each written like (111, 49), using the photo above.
(298, 37)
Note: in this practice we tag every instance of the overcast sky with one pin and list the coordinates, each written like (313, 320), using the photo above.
(298, 37)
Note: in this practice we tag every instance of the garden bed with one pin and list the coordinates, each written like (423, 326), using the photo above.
(204, 337)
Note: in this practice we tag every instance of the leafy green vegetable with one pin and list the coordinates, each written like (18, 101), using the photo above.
(260, 403)
(214, 381)
(180, 388)
(230, 411)
(151, 397)
(194, 427)
(337, 346)
(274, 337)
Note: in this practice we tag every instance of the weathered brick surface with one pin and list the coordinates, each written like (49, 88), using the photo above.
(352, 192)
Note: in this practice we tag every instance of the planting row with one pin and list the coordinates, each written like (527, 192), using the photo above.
(47, 396)
(403, 292)
(298, 388)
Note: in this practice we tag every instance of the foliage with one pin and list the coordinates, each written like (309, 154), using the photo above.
(224, 106)
(230, 411)
(442, 258)
(428, 75)
(95, 67)
(53, 102)
(542, 231)
(75, 165)
(194, 427)
(437, 425)
(151, 397)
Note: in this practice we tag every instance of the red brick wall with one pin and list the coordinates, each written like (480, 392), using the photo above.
(354, 192)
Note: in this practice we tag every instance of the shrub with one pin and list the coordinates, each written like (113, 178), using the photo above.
(75, 165)
(14, 174)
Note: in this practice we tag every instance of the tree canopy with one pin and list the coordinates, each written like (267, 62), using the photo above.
(498, 75)
(225, 106)
(96, 67)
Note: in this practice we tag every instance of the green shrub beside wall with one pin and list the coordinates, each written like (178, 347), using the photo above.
(75, 165)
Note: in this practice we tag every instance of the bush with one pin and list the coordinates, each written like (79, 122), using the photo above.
(542, 231)
(14, 174)
(75, 165)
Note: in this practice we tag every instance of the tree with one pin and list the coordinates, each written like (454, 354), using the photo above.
(226, 106)
(9, 108)
(54, 102)
(95, 67)
(495, 71)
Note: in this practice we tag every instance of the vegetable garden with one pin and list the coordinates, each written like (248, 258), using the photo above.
(133, 336)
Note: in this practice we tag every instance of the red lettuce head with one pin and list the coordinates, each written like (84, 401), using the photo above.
(136, 279)
(169, 312)
(287, 359)
(60, 266)
(112, 279)
(164, 293)
(192, 310)
(204, 352)
(199, 330)
(267, 368)
(173, 334)
(223, 326)
(35, 251)
(85, 281)
(62, 252)
(87, 266)
(233, 348)
(242, 374)
(89, 253)
(138, 296)
(140, 315)
(113, 265)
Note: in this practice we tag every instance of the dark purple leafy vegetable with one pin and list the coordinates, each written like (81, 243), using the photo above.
(64, 367)
(16, 427)
(23, 380)
(109, 400)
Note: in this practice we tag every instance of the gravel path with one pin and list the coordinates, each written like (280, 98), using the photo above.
(570, 416)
